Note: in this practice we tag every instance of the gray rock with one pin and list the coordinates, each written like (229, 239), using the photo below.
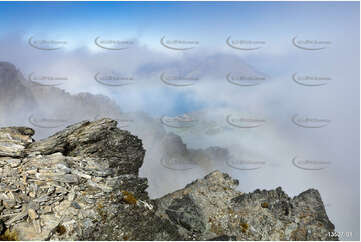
(101, 139)
(14, 140)
(184, 211)
(232, 215)
(82, 184)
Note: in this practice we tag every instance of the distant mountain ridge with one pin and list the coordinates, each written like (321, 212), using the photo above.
(22, 99)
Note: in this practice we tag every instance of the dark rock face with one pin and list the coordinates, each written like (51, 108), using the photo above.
(122, 151)
(184, 211)
(82, 184)
(224, 238)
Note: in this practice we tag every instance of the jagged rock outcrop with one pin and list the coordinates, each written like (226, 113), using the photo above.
(211, 208)
(82, 184)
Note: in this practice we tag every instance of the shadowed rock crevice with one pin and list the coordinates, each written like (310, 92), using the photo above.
(184, 211)
(82, 184)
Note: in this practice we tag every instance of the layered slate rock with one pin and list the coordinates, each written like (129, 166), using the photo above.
(120, 150)
(82, 184)
(14, 140)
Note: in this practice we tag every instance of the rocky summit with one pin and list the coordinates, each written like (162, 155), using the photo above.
(82, 184)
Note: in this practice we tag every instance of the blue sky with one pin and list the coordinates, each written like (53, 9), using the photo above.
(208, 22)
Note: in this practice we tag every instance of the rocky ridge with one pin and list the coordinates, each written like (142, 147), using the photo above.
(82, 183)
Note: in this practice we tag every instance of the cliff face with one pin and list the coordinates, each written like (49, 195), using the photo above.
(82, 184)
